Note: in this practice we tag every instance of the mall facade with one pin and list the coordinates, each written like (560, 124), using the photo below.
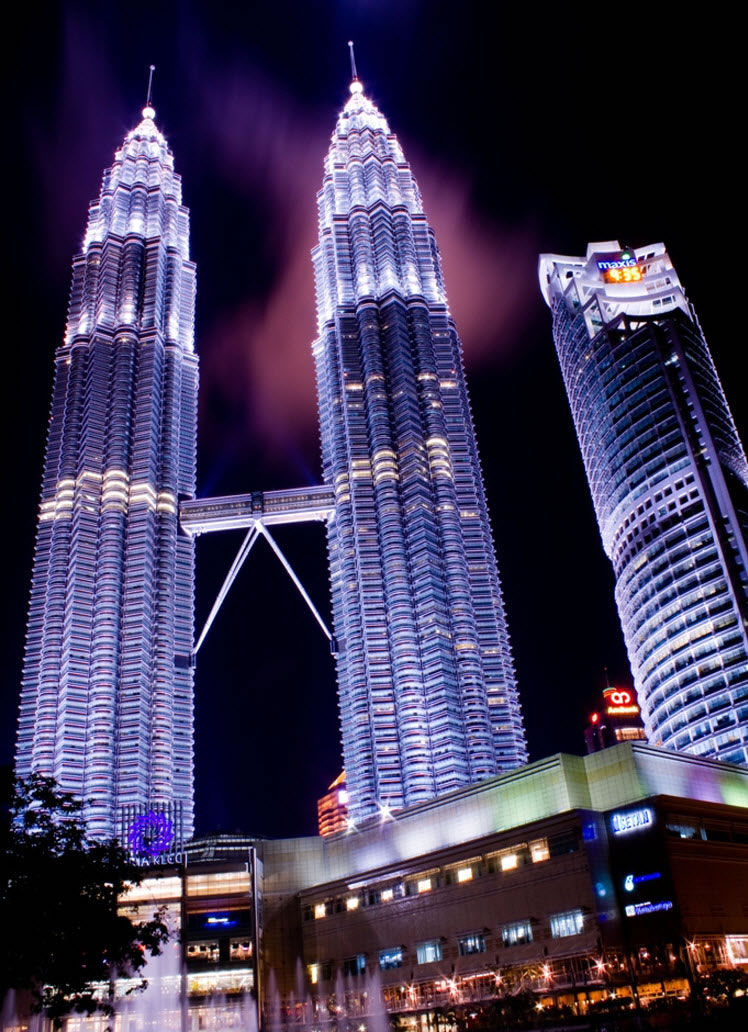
(618, 874)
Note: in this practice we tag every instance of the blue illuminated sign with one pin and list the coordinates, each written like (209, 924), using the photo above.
(151, 834)
(638, 909)
(220, 920)
(632, 880)
(616, 263)
(632, 820)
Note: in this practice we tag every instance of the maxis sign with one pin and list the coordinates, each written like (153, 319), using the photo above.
(616, 262)
(631, 820)
(619, 268)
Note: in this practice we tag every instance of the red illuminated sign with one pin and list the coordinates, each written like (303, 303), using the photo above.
(618, 696)
(620, 701)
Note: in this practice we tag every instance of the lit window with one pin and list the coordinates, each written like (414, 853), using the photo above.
(424, 885)
(428, 952)
(320, 909)
(387, 895)
(475, 943)
(352, 903)
(539, 850)
(240, 949)
(392, 958)
(570, 922)
(313, 970)
(465, 874)
(509, 862)
(516, 934)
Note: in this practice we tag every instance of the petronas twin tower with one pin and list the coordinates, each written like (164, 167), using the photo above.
(426, 683)
(427, 693)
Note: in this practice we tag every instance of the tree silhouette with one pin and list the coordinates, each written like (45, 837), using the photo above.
(64, 940)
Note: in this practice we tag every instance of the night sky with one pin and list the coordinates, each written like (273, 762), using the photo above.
(555, 128)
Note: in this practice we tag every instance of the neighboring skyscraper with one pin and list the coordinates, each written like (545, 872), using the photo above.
(107, 699)
(332, 808)
(619, 720)
(669, 482)
(428, 700)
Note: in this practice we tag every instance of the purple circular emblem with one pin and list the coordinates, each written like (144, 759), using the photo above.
(150, 834)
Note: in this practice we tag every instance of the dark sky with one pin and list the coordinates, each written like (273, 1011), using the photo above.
(552, 129)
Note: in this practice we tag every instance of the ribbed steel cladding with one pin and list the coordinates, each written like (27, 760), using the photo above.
(416, 602)
(103, 708)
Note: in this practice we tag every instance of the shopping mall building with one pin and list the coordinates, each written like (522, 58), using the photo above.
(621, 873)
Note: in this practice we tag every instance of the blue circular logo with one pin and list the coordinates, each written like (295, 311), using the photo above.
(151, 834)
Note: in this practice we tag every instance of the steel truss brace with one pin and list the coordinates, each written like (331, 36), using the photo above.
(258, 528)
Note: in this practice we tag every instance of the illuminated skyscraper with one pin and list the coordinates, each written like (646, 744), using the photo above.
(669, 483)
(107, 698)
(428, 700)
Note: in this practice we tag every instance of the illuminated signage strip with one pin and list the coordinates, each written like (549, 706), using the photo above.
(631, 880)
(639, 909)
(633, 820)
(613, 710)
(616, 263)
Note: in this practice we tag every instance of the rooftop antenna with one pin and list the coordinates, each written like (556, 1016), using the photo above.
(148, 111)
(356, 86)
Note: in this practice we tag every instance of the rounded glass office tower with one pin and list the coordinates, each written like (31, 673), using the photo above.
(669, 482)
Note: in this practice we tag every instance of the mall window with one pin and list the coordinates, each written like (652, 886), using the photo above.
(355, 965)
(570, 922)
(474, 943)
(428, 952)
(219, 884)
(539, 850)
(517, 933)
(240, 949)
(391, 958)
(563, 843)
(207, 951)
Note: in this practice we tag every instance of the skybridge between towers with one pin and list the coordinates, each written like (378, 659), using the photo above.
(256, 512)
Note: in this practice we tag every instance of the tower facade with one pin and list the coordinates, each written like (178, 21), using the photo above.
(107, 693)
(669, 482)
(427, 693)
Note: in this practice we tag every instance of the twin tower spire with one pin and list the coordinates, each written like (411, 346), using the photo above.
(426, 684)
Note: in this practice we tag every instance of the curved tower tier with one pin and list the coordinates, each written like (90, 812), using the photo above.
(107, 696)
(428, 700)
(669, 482)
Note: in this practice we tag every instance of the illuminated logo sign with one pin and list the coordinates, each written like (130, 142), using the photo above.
(620, 701)
(633, 820)
(619, 696)
(632, 880)
(619, 268)
(221, 920)
(616, 263)
(150, 835)
(638, 909)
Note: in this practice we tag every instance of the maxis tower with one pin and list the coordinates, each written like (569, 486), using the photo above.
(669, 482)
(428, 700)
(107, 696)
